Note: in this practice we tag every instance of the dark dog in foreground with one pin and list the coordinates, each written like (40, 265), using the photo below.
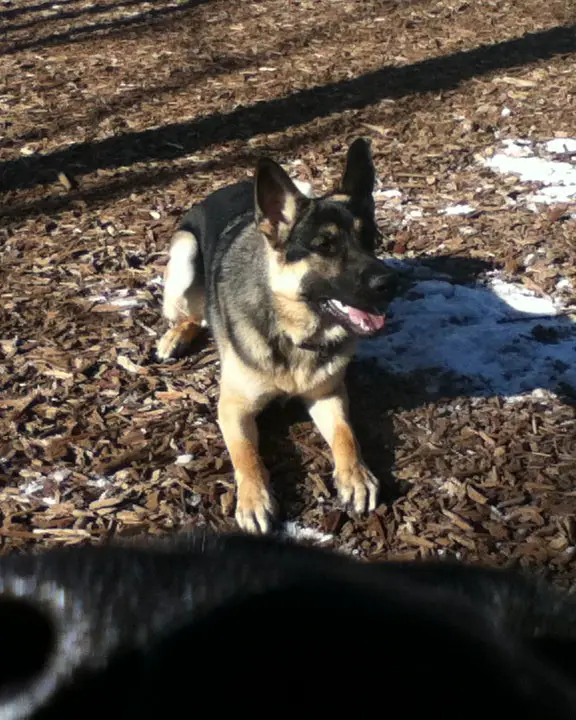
(217, 624)
(286, 283)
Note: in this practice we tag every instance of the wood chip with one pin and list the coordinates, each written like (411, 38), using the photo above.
(130, 366)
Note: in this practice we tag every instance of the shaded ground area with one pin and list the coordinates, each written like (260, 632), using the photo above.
(115, 116)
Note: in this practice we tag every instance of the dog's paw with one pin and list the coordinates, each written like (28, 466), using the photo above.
(167, 344)
(176, 341)
(254, 507)
(357, 488)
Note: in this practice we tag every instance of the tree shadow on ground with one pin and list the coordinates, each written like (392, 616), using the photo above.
(17, 11)
(180, 80)
(102, 29)
(80, 197)
(179, 139)
(98, 9)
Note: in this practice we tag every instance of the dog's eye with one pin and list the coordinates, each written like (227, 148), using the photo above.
(324, 245)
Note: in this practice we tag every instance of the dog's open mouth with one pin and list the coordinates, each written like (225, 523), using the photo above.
(359, 321)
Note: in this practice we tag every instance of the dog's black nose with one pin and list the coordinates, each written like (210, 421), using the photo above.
(383, 282)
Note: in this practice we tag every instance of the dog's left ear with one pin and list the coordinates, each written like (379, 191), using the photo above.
(359, 174)
(278, 201)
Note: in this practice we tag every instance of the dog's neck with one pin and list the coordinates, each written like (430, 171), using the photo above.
(327, 347)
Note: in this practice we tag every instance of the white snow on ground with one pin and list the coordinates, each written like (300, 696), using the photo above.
(495, 337)
(537, 162)
(521, 299)
(388, 194)
(185, 459)
(296, 531)
(304, 187)
(498, 338)
(120, 300)
(460, 209)
(561, 145)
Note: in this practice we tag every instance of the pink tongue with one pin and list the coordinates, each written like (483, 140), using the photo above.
(365, 320)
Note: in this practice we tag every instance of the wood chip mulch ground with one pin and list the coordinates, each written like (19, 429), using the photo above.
(116, 115)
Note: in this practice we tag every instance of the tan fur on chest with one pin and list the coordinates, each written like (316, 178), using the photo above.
(304, 375)
(280, 364)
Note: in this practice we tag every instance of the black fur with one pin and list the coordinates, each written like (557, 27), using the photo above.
(205, 624)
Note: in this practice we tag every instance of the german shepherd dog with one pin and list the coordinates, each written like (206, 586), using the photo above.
(173, 629)
(286, 283)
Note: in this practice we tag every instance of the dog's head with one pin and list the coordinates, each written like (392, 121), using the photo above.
(324, 247)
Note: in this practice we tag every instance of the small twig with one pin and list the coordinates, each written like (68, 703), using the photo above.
(530, 318)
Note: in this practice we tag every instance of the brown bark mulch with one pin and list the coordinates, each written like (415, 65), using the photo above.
(116, 115)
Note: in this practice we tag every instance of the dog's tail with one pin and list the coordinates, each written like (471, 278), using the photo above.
(183, 300)
(181, 276)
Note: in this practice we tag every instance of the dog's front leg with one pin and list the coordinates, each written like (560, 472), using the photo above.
(356, 485)
(237, 419)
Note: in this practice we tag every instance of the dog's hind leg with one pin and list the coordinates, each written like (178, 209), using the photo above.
(183, 301)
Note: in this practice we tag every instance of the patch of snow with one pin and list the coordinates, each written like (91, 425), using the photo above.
(100, 481)
(120, 299)
(128, 302)
(304, 187)
(459, 209)
(534, 169)
(296, 531)
(195, 499)
(564, 284)
(529, 259)
(388, 194)
(559, 146)
(538, 394)
(496, 338)
(553, 195)
(31, 487)
(60, 475)
(184, 459)
(520, 298)
(121, 302)
(529, 161)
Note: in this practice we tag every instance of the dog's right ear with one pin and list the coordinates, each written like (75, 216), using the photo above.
(359, 173)
(278, 202)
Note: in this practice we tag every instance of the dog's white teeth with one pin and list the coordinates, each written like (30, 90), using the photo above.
(340, 306)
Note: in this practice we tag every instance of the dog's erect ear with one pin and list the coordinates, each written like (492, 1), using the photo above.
(278, 201)
(359, 174)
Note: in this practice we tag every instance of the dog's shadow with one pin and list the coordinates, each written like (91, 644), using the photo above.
(450, 333)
